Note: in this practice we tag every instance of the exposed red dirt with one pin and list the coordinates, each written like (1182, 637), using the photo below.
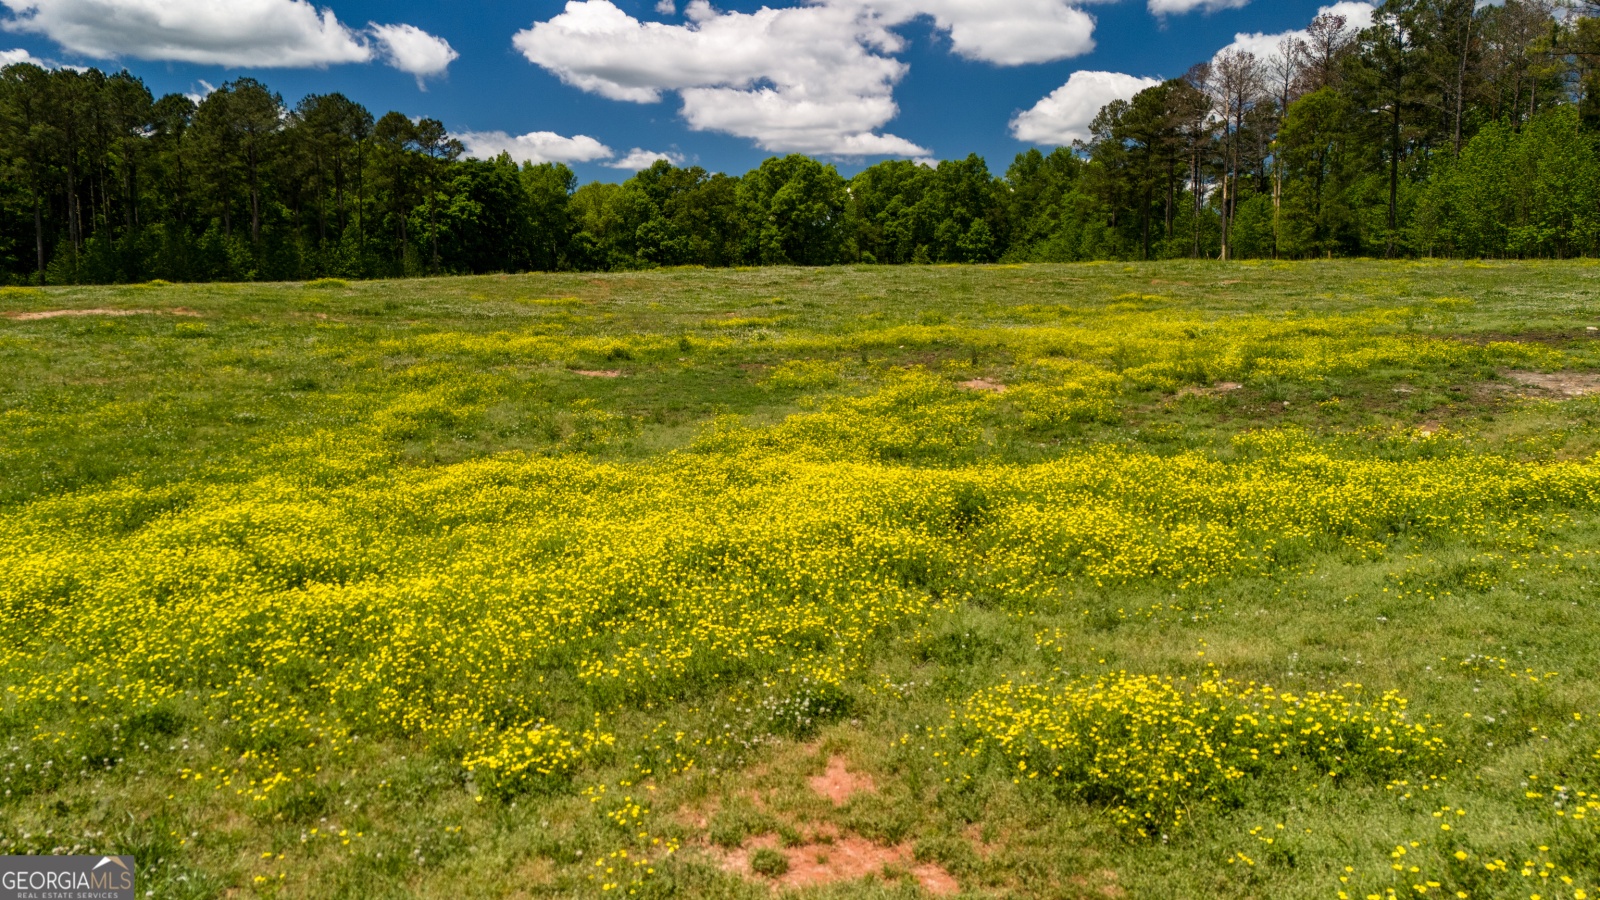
(845, 859)
(985, 385)
(839, 784)
(1549, 337)
(1565, 384)
(74, 313)
(1103, 882)
(974, 836)
(1216, 390)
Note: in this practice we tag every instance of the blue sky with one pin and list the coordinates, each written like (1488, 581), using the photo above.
(720, 86)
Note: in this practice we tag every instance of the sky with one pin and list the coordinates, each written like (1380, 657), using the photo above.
(609, 86)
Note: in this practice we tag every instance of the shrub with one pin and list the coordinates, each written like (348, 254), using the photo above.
(768, 862)
(1151, 749)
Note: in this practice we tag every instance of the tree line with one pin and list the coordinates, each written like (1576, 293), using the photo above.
(1442, 129)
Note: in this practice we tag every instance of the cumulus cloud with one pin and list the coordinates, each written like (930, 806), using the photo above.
(13, 57)
(1357, 15)
(804, 79)
(817, 78)
(637, 159)
(1065, 115)
(197, 93)
(1004, 32)
(410, 49)
(535, 147)
(234, 33)
(1178, 7)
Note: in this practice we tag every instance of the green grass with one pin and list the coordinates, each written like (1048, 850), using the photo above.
(117, 432)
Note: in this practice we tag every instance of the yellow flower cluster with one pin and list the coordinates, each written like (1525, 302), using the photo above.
(319, 590)
(1451, 866)
(1151, 749)
(506, 763)
(343, 594)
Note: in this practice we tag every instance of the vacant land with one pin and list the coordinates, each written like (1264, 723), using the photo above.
(1179, 580)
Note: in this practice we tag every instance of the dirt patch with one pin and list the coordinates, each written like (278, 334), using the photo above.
(985, 849)
(1103, 883)
(597, 373)
(1216, 390)
(843, 860)
(75, 313)
(1564, 384)
(1430, 427)
(839, 784)
(984, 385)
(1552, 338)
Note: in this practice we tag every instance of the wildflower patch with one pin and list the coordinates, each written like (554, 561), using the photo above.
(1153, 749)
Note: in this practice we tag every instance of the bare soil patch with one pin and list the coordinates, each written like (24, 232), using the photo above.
(75, 313)
(1216, 390)
(984, 385)
(1564, 384)
(974, 836)
(597, 373)
(1553, 338)
(842, 860)
(839, 784)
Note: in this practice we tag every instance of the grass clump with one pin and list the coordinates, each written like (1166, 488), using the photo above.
(769, 863)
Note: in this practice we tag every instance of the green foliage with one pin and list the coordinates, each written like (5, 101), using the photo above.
(769, 862)
(375, 591)
(1444, 128)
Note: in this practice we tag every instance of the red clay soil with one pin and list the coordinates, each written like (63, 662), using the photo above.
(1221, 387)
(73, 313)
(984, 385)
(1566, 384)
(846, 859)
(839, 783)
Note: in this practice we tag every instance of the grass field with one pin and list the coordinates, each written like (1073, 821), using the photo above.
(1162, 581)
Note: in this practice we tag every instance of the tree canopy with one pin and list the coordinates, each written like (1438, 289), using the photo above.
(1441, 129)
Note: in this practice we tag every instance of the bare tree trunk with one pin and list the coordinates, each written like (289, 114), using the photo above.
(72, 208)
(38, 234)
(1195, 183)
(1461, 82)
(1394, 181)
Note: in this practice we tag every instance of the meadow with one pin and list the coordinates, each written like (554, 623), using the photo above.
(1156, 581)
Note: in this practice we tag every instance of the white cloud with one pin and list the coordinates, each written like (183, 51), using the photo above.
(200, 92)
(1065, 115)
(637, 159)
(255, 33)
(1357, 15)
(804, 79)
(233, 33)
(12, 57)
(667, 7)
(536, 147)
(1005, 32)
(1178, 7)
(410, 49)
(817, 78)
